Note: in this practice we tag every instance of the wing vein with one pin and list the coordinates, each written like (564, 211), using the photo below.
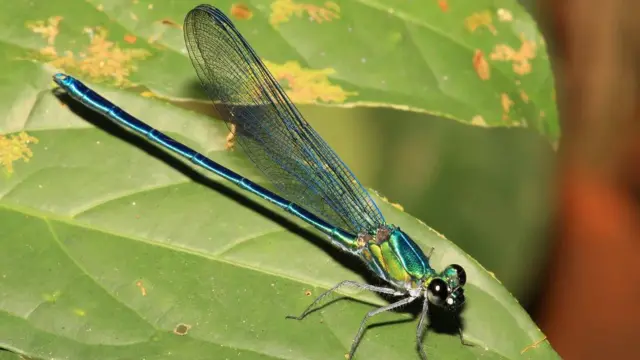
(270, 129)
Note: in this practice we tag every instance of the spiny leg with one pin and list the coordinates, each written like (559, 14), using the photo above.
(371, 313)
(422, 326)
(347, 283)
(462, 340)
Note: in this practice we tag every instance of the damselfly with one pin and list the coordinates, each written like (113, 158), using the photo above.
(312, 182)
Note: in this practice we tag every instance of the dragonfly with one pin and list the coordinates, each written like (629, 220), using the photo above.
(310, 180)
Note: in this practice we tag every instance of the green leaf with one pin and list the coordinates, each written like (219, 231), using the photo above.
(109, 249)
(7, 355)
(479, 62)
(113, 249)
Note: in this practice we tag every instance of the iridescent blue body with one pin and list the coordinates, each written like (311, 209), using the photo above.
(313, 183)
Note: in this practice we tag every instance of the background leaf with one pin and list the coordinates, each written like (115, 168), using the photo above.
(114, 245)
(401, 54)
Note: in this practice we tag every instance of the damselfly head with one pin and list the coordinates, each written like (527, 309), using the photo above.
(446, 290)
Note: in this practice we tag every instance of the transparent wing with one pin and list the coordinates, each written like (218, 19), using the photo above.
(269, 128)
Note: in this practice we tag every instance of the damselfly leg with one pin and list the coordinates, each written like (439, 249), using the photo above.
(346, 283)
(363, 324)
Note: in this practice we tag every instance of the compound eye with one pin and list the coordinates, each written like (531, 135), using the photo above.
(462, 275)
(437, 291)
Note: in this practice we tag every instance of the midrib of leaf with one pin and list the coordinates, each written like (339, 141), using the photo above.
(173, 247)
(49, 218)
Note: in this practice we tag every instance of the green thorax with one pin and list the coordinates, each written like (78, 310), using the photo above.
(393, 256)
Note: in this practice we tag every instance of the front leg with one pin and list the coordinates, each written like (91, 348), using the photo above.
(346, 283)
(371, 313)
(422, 326)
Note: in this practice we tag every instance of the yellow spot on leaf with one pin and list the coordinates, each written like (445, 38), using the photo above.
(481, 66)
(48, 30)
(524, 96)
(79, 312)
(504, 15)
(283, 10)
(303, 86)
(133, 16)
(140, 286)
(102, 60)
(241, 11)
(48, 51)
(14, 148)
(506, 104)
(520, 58)
(478, 120)
(480, 19)
(306, 85)
(307, 293)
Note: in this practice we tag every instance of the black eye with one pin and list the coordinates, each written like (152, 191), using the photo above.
(455, 300)
(437, 291)
(462, 276)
